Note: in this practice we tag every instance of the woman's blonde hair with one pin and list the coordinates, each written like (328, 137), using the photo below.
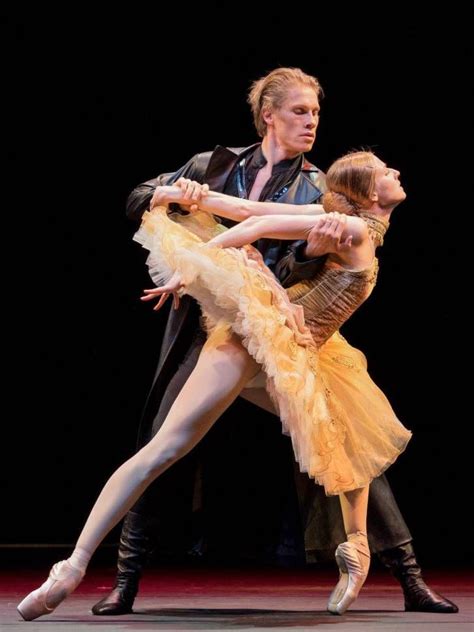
(351, 182)
(270, 91)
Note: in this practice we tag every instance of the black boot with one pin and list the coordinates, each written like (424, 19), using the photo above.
(419, 597)
(134, 550)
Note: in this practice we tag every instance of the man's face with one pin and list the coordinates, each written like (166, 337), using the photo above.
(294, 124)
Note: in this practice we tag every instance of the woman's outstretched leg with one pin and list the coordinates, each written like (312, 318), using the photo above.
(219, 376)
(352, 556)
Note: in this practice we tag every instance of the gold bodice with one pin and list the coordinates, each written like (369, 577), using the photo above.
(333, 295)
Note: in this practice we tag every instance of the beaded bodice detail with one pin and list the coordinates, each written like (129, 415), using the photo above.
(333, 295)
(376, 225)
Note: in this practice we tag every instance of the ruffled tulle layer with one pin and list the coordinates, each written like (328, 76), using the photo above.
(343, 430)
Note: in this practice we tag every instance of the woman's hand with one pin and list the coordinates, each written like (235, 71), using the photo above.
(163, 195)
(172, 287)
(295, 320)
(254, 256)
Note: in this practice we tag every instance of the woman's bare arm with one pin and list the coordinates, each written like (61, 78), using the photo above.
(239, 209)
(228, 206)
(284, 227)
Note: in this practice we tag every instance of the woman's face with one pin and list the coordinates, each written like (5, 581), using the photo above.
(388, 189)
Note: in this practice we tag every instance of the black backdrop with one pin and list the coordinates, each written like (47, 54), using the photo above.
(97, 104)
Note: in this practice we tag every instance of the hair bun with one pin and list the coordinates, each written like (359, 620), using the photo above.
(333, 201)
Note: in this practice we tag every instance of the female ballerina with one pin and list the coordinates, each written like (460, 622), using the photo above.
(252, 327)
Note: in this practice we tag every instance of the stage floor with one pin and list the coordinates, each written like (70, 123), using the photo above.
(249, 599)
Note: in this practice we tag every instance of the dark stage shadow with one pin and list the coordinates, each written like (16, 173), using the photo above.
(217, 618)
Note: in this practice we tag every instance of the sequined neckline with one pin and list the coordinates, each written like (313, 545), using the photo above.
(377, 226)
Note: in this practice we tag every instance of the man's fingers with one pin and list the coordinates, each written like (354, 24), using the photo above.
(346, 244)
(335, 225)
(192, 190)
(339, 227)
(182, 183)
(188, 187)
(188, 191)
(336, 220)
(196, 191)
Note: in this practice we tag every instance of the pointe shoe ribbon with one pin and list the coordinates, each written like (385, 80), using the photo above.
(352, 575)
(63, 579)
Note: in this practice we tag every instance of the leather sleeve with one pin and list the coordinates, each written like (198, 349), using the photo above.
(139, 199)
(293, 266)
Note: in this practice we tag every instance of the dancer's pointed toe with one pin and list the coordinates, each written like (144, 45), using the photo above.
(63, 579)
(353, 572)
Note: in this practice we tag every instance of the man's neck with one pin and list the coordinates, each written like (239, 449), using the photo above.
(274, 152)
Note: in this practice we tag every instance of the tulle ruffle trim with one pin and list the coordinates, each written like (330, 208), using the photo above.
(238, 294)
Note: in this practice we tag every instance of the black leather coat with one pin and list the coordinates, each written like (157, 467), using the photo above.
(215, 168)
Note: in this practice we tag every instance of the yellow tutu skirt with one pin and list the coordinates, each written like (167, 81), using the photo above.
(343, 431)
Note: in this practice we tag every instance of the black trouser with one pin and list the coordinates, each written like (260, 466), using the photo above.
(386, 528)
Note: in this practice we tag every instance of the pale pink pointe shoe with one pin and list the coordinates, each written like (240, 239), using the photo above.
(63, 579)
(353, 570)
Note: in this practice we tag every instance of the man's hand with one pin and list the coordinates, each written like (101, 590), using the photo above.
(326, 236)
(172, 287)
(185, 192)
(193, 192)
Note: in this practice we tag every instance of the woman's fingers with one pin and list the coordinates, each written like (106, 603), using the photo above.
(161, 302)
(156, 291)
